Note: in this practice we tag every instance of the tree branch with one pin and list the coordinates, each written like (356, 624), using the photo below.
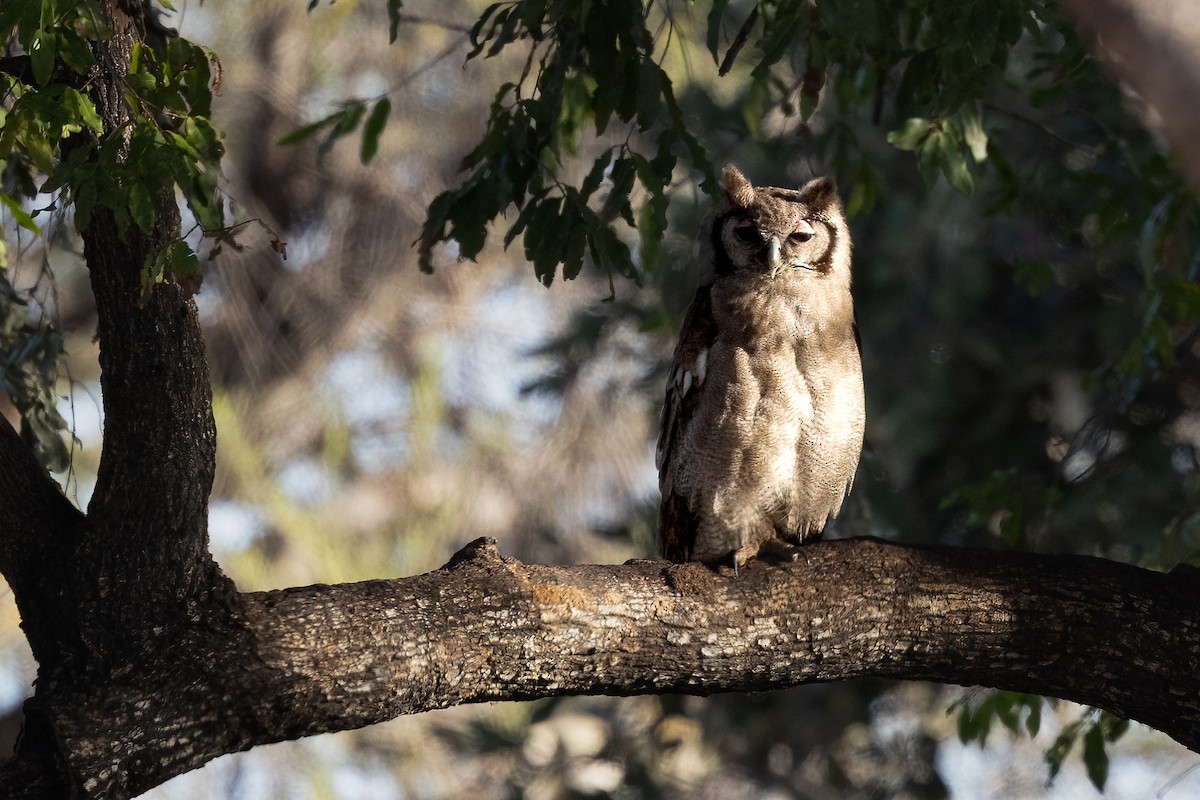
(19, 67)
(144, 561)
(39, 532)
(1154, 46)
(326, 658)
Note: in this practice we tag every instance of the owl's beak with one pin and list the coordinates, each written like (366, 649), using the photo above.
(773, 255)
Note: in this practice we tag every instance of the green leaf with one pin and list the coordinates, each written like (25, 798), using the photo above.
(1057, 753)
(1095, 757)
(1033, 722)
(18, 214)
(697, 153)
(649, 93)
(41, 58)
(345, 122)
(478, 38)
(393, 12)
(545, 236)
(73, 50)
(610, 253)
(141, 206)
(973, 134)
(41, 429)
(81, 108)
(780, 35)
(910, 135)
(523, 218)
(307, 131)
(919, 85)
(713, 37)
(954, 167)
(374, 126)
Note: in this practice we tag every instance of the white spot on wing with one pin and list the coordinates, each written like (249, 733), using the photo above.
(701, 366)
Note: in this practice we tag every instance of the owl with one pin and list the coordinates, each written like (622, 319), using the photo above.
(762, 426)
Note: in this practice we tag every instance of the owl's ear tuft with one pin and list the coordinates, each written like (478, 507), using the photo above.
(737, 188)
(819, 194)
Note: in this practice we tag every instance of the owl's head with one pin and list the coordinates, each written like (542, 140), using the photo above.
(781, 232)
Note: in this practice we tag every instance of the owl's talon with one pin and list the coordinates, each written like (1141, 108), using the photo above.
(779, 550)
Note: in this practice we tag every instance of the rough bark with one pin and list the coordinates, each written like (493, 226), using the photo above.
(325, 658)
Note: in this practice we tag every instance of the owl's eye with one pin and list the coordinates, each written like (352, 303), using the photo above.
(747, 232)
(804, 231)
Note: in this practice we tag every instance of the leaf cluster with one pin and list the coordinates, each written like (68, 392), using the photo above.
(56, 141)
(29, 355)
(1020, 712)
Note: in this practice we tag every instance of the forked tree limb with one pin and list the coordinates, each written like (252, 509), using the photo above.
(321, 658)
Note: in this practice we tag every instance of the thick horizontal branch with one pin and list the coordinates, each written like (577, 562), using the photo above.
(324, 658)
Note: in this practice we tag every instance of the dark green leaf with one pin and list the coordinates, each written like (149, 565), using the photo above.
(41, 58)
(1034, 722)
(344, 123)
(81, 108)
(373, 128)
(1057, 753)
(622, 176)
(780, 34)
(533, 13)
(545, 237)
(19, 214)
(1114, 726)
(910, 135)
(478, 38)
(919, 85)
(649, 94)
(41, 428)
(507, 22)
(74, 51)
(393, 12)
(698, 155)
(523, 218)
(1095, 757)
(713, 37)
(608, 251)
(306, 131)
(595, 176)
(141, 206)
(434, 229)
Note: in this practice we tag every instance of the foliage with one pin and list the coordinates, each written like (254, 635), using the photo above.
(29, 357)
(588, 63)
(1009, 210)
(53, 142)
(1019, 712)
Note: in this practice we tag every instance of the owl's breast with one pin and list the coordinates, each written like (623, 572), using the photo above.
(793, 412)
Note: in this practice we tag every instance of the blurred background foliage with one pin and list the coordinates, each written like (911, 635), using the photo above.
(1025, 262)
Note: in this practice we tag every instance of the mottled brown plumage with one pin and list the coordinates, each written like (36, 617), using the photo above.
(763, 421)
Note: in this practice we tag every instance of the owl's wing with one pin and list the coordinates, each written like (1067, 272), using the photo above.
(676, 520)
